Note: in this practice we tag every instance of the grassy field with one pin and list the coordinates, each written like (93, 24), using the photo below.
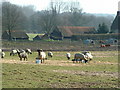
(58, 72)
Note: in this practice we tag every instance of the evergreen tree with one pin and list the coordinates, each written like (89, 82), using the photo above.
(102, 28)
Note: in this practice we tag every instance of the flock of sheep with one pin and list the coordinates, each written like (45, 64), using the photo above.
(85, 56)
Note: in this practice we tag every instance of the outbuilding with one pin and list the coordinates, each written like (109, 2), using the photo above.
(66, 32)
(15, 35)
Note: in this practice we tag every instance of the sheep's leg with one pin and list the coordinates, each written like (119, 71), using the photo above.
(76, 60)
(80, 60)
(20, 59)
(26, 59)
(43, 60)
(73, 60)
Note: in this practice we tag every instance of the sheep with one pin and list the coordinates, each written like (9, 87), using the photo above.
(68, 55)
(2, 54)
(41, 55)
(13, 52)
(21, 51)
(22, 55)
(84, 56)
(50, 54)
(0, 50)
(28, 51)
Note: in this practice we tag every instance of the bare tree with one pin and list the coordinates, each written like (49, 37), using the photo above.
(47, 21)
(11, 15)
(49, 18)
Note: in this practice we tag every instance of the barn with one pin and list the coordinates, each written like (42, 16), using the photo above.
(66, 32)
(15, 35)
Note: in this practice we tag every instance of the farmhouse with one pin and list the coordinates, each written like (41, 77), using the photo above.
(67, 32)
(116, 23)
(15, 35)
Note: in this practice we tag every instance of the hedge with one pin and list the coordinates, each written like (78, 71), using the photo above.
(95, 36)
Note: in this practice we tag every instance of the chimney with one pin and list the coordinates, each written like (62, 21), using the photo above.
(118, 13)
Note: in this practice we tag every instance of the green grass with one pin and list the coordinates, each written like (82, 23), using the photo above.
(62, 76)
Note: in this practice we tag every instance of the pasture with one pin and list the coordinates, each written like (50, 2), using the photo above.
(58, 72)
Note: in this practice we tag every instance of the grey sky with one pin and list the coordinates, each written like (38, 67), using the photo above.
(89, 6)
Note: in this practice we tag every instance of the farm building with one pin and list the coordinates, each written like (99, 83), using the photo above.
(56, 34)
(116, 23)
(67, 32)
(41, 37)
(15, 35)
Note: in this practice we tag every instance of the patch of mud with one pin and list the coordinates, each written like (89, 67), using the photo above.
(56, 63)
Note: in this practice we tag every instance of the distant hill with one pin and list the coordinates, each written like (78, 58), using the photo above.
(102, 14)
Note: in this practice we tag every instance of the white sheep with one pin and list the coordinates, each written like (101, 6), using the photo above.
(50, 54)
(68, 55)
(0, 50)
(41, 55)
(14, 51)
(21, 50)
(85, 56)
(2, 54)
(22, 55)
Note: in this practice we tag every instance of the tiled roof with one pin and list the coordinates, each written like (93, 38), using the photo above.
(75, 30)
(17, 34)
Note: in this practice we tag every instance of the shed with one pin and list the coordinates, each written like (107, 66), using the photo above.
(56, 34)
(15, 35)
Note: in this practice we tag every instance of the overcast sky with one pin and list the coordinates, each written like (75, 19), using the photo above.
(89, 6)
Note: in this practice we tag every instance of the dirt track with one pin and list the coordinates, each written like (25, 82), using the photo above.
(56, 62)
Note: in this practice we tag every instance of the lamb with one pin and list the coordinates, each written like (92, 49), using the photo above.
(28, 51)
(50, 54)
(84, 56)
(22, 55)
(41, 55)
(68, 55)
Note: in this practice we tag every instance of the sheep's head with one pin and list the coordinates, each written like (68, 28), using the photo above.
(39, 50)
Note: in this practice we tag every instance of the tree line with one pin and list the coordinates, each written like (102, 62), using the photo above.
(58, 13)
